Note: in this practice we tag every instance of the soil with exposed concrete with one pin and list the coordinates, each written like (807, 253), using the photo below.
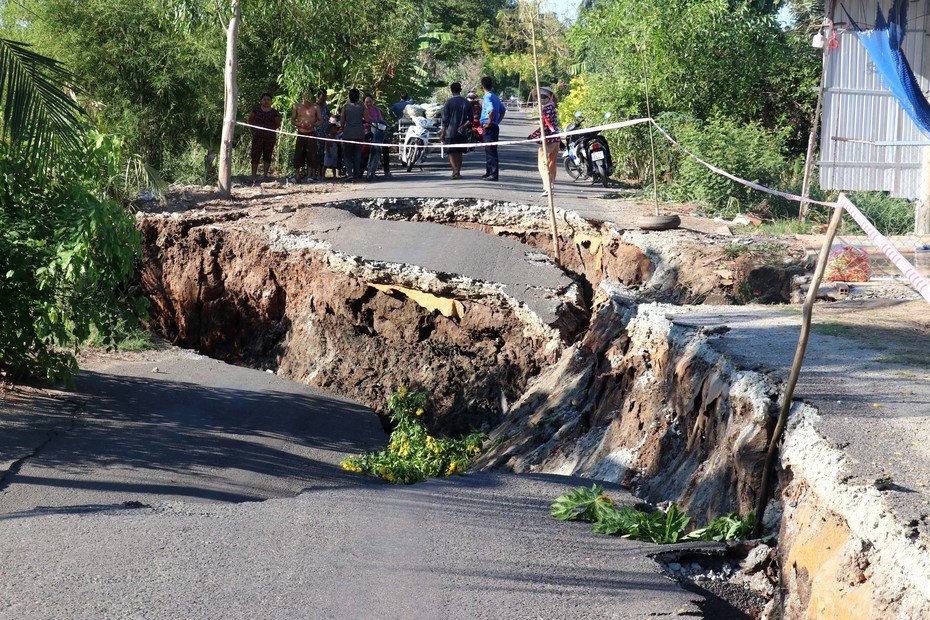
(146, 440)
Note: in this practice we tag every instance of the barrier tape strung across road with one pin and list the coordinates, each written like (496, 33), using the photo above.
(755, 186)
(920, 284)
(577, 132)
(468, 145)
(917, 281)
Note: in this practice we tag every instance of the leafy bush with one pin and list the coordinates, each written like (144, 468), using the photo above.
(413, 454)
(66, 255)
(595, 506)
(744, 150)
(891, 216)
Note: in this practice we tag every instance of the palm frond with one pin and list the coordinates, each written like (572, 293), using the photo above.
(37, 113)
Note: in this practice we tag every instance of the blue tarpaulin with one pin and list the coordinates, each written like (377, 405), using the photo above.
(884, 45)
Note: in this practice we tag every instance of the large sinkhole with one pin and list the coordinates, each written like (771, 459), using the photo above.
(574, 369)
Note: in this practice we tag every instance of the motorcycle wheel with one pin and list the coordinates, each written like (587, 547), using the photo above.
(602, 173)
(414, 155)
(572, 169)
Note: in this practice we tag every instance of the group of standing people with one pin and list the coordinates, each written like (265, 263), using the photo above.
(312, 120)
(458, 116)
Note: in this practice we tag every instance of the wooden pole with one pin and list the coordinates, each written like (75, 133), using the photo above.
(652, 146)
(224, 177)
(772, 455)
(542, 144)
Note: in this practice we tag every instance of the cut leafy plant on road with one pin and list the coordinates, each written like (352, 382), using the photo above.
(663, 527)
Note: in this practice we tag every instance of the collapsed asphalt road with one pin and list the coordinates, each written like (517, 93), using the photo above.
(137, 505)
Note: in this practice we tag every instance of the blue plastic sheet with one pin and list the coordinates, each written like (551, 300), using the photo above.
(884, 46)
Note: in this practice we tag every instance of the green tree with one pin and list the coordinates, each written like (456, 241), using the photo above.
(705, 59)
(150, 70)
(510, 53)
(66, 249)
(36, 112)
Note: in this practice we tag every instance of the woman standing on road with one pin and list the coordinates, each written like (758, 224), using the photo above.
(354, 118)
(374, 115)
(263, 115)
(549, 150)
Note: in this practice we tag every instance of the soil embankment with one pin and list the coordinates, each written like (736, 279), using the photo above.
(575, 372)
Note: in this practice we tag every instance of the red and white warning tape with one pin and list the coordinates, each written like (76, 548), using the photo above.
(920, 283)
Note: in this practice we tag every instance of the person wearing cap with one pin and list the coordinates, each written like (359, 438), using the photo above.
(548, 150)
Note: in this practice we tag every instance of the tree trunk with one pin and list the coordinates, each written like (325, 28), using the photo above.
(231, 99)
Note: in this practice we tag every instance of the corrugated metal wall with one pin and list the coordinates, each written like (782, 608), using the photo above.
(857, 107)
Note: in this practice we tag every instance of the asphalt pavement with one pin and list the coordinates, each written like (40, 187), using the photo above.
(143, 500)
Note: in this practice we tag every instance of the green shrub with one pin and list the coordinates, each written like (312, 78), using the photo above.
(66, 254)
(891, 216)
(744, 150)
(413, 454)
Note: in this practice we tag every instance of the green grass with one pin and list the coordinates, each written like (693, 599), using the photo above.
(906, 359)
(131, 339)
(779, 227)
(829, 328)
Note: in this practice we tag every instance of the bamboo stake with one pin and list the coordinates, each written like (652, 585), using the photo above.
(542, 144)
(772, 455)
(652, 146)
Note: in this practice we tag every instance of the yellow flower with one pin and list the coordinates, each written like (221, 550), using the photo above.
(349, 466)
(419, 411)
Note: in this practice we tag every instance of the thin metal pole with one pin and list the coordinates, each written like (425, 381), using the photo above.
(652, 146)
(542, 144)
(812, 139)
(772, 455)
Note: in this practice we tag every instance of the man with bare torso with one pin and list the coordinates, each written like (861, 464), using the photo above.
(307, 119)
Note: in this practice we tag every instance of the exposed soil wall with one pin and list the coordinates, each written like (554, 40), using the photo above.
(220, 288)
(644, 403)
(611, 389)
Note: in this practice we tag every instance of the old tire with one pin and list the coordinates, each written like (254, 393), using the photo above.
(659, 222)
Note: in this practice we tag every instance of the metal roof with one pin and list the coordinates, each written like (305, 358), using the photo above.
(857, 107)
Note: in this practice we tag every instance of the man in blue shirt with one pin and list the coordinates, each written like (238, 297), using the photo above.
(492, 113)
(397, 110)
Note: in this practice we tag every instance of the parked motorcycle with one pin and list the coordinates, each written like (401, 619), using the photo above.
(587, 154)
(413, 149)
(378, 131)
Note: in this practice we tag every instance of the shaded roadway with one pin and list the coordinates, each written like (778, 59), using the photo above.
(138, 506)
